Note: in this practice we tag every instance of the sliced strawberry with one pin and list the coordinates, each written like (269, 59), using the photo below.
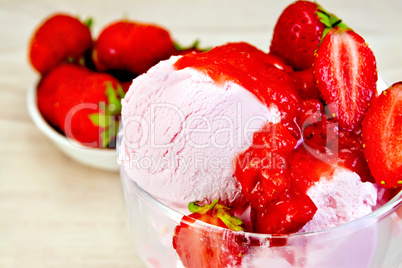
(345, 70)
(203, 245)
(382, 137)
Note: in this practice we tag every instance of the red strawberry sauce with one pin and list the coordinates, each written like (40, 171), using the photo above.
(245, 65)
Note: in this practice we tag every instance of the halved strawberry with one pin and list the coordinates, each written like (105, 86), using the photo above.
(203, 245)
(382, 137)
(346, 74)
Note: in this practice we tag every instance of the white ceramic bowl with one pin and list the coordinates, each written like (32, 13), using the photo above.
(105, 159)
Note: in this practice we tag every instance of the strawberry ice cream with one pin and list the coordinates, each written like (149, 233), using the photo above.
(182, 132)
(340, 198)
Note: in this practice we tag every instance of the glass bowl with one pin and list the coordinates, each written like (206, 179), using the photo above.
(371, 241)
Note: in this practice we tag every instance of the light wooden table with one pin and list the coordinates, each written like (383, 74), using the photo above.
(55, 212)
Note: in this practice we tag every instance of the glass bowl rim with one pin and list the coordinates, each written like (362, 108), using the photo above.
(176, 216)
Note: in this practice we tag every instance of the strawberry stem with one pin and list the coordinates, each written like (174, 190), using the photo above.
(329, 20)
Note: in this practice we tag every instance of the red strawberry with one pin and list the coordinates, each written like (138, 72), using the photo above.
(278, 62)
(324, 140)
(320, 132)
(346, 73)
(299, 31)
(60, 38)
(305, 83)
(203, 245)
(64, 73)
(382, 137)
(88, 111)
(306, 168)
(288, 214)
(351, 156)
(77, 102)
(261, 170)
(131, 46)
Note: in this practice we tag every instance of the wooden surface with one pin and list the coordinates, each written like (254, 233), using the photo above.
(55, 212)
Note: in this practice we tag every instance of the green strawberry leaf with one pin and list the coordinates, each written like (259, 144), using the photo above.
(106, 117)
(217, 210)
(329, 20)
(194, 208)
(114, 97)
(89, 22)
(232, 222)
(109, 133)
(99, 119)
(324, 18)
(108, 124)
(180, 47)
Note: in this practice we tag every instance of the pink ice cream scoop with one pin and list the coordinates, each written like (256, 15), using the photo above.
(183, 131)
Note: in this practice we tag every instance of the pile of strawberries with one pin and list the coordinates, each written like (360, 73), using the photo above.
(83, 80)
(339, 119)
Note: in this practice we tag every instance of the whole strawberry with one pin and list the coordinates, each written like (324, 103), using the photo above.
(346, 74)
(382, 137)
(298, 32)
(207, 237)
(81, 104)
(88, 110)
(131, 46)
(60, 38)
(62, 75)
